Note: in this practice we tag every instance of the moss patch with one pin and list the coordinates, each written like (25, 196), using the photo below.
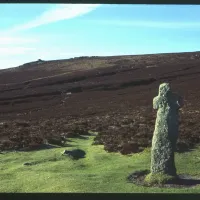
(158, 178)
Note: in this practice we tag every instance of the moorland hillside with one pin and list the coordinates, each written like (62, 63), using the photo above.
(111, 95)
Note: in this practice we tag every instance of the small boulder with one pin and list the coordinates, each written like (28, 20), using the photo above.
(75, 154)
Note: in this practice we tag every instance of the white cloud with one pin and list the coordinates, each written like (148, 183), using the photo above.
(61, 12)
(18, 46)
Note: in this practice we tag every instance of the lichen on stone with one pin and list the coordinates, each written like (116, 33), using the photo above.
(166, 131)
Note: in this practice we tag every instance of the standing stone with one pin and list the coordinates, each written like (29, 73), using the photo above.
(166, 131)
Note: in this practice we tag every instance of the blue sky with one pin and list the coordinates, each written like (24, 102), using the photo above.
(58, 31)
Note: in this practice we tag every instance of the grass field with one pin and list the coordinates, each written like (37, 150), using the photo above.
(98, 172)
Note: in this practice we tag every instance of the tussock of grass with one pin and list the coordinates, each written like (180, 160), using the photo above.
(99, 171)
(158, 178)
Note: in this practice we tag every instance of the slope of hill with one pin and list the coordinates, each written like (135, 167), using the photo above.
(111, 95)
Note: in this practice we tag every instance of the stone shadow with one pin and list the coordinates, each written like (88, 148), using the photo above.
(186, 180)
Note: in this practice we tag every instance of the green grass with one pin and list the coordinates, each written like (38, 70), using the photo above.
(98, 172)
(158, 178)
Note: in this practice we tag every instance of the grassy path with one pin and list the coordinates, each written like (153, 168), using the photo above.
(98, 172)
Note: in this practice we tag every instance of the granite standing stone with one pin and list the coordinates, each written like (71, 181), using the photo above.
(166, 131)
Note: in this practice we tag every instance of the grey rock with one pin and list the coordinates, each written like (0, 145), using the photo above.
(166, 131)
(75, 154)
